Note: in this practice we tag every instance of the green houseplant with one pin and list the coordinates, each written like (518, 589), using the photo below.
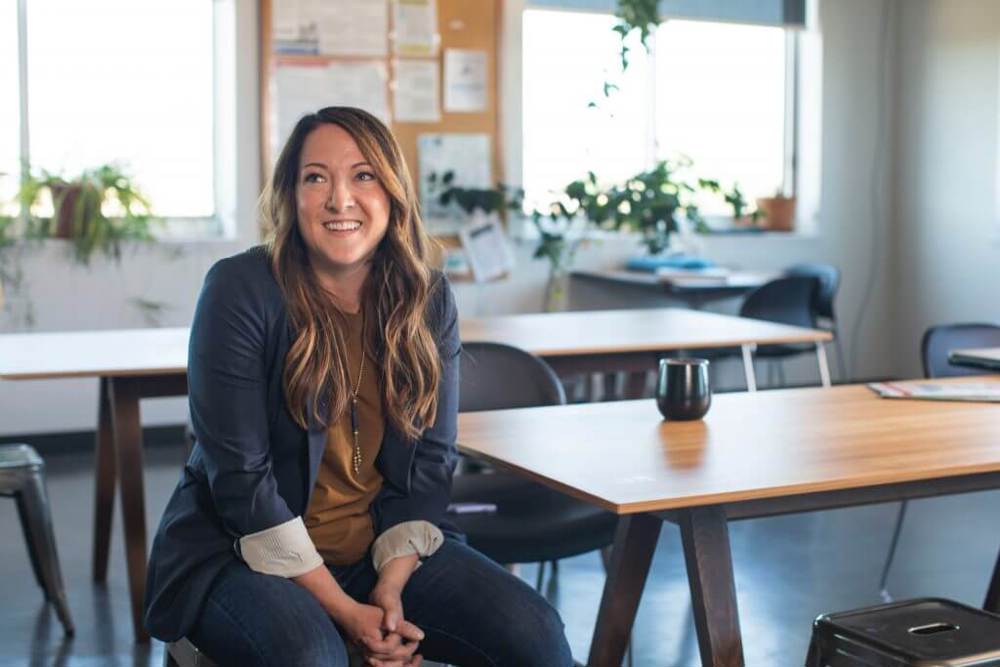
(650, 203)
(96, 211)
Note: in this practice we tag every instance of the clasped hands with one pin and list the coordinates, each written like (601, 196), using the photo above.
(379, 629)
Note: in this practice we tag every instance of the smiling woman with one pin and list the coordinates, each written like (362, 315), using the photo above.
(323, 382)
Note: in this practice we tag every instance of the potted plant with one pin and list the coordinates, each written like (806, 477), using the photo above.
(96, 211)
(743, 214)
(778, 212)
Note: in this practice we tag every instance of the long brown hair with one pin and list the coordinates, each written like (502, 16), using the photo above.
(394, 296)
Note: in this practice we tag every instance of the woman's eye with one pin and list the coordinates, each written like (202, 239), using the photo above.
(366, 176)
(312, 178)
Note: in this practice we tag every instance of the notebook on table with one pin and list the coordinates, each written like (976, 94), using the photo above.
(988, 392)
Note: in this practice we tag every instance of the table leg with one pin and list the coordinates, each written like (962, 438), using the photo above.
(705, 537)
(631, 555)
(824, 367)
(104, 482)
(128, 446)
(747, 350)
(992, 602)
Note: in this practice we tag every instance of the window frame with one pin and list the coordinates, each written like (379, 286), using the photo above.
(792, 130)
(221, 224)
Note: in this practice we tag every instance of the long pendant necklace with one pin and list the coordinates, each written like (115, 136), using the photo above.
(356, 458)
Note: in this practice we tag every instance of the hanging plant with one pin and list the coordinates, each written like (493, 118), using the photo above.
(641, 15)
(632, 15)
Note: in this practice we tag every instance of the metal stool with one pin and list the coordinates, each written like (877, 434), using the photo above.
(22, 476)
(925, 632)
(183, 653)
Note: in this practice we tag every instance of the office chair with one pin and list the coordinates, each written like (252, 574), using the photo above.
(788, 300)
(828, 276)
(937, 342)
(532, 523)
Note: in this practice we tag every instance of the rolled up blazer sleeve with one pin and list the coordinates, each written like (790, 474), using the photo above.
(416, 515)
(227, 395)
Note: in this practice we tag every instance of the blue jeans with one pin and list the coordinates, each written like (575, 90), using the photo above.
(472, 611)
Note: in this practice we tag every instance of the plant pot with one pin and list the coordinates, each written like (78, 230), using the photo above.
(64, 202)
(779, 213)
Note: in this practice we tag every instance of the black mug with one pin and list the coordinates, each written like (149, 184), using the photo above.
(682, 389)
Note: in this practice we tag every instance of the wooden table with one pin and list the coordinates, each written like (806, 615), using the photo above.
(983, 357)
(694, 293)
(146, 363)
(131, 365)
(634, 340)
(753, 455)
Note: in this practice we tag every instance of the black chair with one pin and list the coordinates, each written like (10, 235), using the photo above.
(789, 300)
(22, 476)
(937, 342)
(828, 276)
(532, 523)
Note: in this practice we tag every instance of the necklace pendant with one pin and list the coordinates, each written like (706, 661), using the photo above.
(356, 457)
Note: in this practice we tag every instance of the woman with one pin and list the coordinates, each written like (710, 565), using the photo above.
(323, 382)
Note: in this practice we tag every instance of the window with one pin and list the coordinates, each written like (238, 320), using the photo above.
(9, 111)
(716, 93)
(126, 82)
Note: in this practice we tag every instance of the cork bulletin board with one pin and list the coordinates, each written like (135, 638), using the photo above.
(309, 58)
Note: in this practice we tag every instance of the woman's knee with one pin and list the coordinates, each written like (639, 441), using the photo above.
(253, 619)
(538, 636)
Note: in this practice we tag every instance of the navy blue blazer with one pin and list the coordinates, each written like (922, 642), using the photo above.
(252, 467)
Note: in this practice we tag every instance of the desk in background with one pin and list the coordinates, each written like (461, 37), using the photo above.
(694, 293)
(634, 340)
(753, 455)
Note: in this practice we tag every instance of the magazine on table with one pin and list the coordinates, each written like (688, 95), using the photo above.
(938, 391)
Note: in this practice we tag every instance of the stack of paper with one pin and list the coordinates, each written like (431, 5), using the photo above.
(709, 276)
(937, 391)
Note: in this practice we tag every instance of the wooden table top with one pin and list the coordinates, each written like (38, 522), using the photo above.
(129, 352)
(639, 330)
(109, 353)
(623, 457)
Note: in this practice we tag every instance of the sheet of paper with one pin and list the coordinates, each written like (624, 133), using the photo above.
(467, 155)
(351, 27)
(361, 85)
(464, 80)
(416, 91)
(299, 90)
(486, 246)
(415, 28)
(293, 29)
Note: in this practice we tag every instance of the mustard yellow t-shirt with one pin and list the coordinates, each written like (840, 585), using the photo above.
(337, 518)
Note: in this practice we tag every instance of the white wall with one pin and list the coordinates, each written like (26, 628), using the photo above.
(948, 157)
(854, 46)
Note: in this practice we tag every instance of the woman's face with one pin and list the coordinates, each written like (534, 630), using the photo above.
(343, 210)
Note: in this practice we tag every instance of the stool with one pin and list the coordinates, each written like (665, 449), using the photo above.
(183, 653)
(925, 632)
(22, 476)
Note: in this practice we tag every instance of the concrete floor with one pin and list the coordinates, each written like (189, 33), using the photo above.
(788, 570)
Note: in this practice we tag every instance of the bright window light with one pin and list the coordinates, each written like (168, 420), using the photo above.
(567, 58)
(720, 100)
(126, 82)
(9, 110)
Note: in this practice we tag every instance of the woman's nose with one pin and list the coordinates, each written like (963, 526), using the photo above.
(340, 198)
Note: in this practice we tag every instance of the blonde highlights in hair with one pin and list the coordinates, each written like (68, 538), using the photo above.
(394, 298)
